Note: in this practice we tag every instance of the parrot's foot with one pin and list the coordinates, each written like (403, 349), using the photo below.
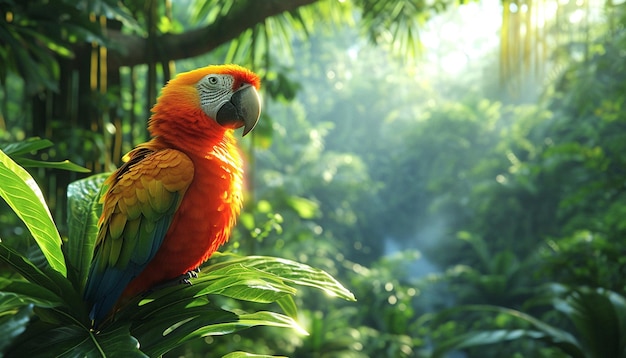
(182, 279)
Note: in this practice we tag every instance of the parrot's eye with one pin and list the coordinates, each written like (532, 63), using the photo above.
(218, 81)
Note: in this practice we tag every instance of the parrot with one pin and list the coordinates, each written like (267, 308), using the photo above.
(175, 199)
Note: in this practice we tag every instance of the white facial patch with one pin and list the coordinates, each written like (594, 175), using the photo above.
(214, 90)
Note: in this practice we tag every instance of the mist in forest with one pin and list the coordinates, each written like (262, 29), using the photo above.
(365, 102)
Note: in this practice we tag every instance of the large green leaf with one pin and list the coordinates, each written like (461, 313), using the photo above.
(23, 195)
(176, 323)
(26, 146)
(289, 271)
(599, 316)
(256, 279)
(18, 149)
(47, 288)
(48, 279)
(28, 293)
(159, 335)
(542, 331)
(172, 315)
(481, 338)
(487, 337)
(45, 340)
(84, 208)
(242, 284)
(247, 320)
(63, 165)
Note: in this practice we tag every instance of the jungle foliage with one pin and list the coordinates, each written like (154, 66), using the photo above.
(463, 213)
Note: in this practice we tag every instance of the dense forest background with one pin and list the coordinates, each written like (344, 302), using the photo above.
(459, 166)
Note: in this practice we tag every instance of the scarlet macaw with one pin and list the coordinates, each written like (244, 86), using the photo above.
(175, 200)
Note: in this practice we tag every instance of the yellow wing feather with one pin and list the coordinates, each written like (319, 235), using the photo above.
(138, 207)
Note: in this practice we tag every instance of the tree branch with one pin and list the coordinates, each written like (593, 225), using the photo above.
(131, 50)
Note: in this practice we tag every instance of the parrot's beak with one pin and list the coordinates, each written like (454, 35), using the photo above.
(243, 109)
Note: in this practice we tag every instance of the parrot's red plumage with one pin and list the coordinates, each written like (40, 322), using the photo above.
(175, 200)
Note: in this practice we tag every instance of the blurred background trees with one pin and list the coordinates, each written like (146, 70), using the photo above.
(430, 155)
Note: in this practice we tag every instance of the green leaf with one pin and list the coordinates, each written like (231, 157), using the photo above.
(29, 293)
(10, 303)
(480, 338)
(63, 165)
(116, 342)
(26, 146)
(31, 272)
(170, 316)
(263, 279)
(244, 283)
(73, 310)
(18, 149)
(599, 316)
(84, 209)
(175, 323)
(44, 340)
(247, 320)
(13, 325)
(229, 279)
(551, 335)
(291, 272)
(23, 195)
(288, 305)
(233, 281)
(184, 321)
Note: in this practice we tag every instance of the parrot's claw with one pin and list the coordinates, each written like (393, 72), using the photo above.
(182, 279)
(185, 281)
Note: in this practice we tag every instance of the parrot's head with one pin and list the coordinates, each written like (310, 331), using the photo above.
(209, 101)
